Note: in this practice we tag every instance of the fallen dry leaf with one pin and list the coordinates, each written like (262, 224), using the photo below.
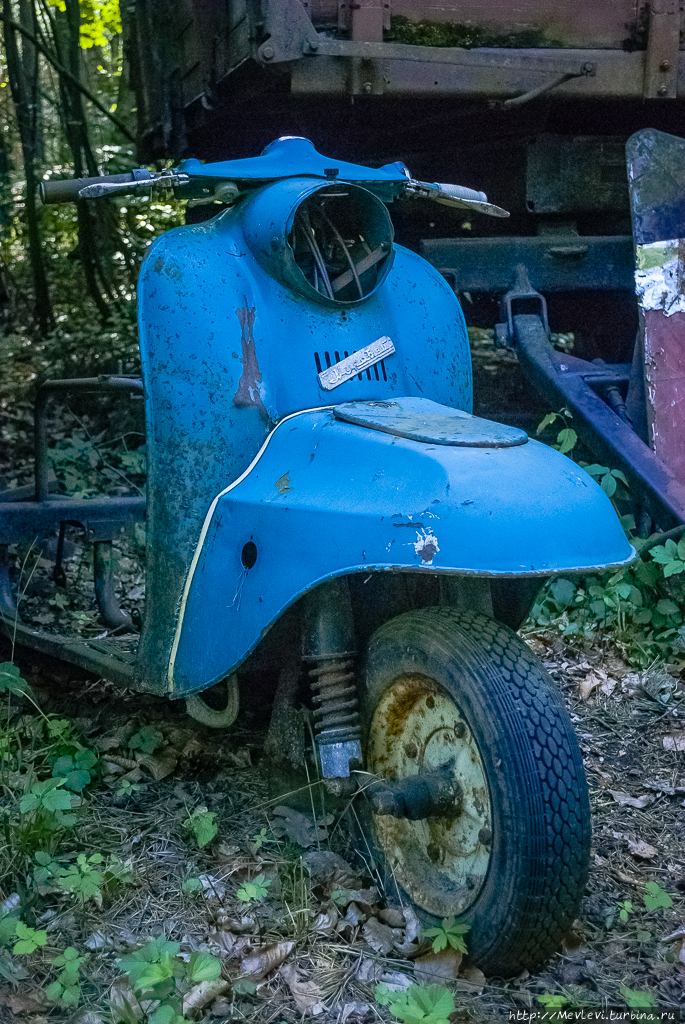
(676, 741)
(330, 870)
(626, 800)
(21, 1002)
(307, 995)
(301, 828)
(679, 933)
(159, 765)
(392, 916)
(639, 848)
(589, 684)
(379, 936)
(471, 980)
(441, 966)
(263, 961)
(324, 924)
(204, 993)
(355, 1013)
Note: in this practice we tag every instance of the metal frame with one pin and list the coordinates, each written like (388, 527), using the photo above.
(566, 380)
(101, 518)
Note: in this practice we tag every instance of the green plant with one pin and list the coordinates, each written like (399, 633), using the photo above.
(625, 910)
(449, 933)
(608, 479)
(669, 555)
(255, 890)
(146, 740)
(66, 989)
(419, 1004)
(553, 1002)
(47, 798)
(655, 898)
(638, 1000)
(158, 975)
(567, 437)
(75, 769)
(28, 939)
(8, 926)
(90, 877)
(201, 823)
(128, 788)
(11, 680)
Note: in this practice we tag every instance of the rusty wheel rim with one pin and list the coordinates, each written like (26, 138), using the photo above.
(440, 862)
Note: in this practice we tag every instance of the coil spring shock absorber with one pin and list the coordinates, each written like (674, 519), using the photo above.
(328, 648)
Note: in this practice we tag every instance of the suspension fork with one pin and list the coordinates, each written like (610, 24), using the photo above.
(329, 649)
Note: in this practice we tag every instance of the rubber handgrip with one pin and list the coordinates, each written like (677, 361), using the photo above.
(66, 190)
(459, 192)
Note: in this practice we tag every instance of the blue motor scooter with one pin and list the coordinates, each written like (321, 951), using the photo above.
(319, 493)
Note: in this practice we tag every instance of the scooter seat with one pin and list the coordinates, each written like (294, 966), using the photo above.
(419, 419)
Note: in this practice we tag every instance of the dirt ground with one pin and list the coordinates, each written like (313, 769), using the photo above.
(300, 949)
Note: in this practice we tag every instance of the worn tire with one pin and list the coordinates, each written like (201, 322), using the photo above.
(539, 850)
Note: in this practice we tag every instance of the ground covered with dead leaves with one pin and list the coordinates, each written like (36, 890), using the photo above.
(178, 839)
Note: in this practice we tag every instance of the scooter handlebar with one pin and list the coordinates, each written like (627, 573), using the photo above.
(66, 190)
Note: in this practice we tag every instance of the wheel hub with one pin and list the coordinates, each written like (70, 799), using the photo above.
(419, 733)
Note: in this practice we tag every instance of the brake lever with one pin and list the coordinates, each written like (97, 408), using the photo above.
(455, 196)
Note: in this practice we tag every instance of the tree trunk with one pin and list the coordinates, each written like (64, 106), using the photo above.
(22, 71)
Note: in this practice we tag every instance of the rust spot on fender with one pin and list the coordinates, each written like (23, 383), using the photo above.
(247, 395)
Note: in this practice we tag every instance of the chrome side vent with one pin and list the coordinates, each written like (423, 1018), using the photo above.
(331, 358)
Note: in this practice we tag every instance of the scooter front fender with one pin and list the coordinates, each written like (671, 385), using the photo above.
(324, 498)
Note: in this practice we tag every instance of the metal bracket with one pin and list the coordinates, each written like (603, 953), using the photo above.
(521, 290)
(663, 50)
(289, 32)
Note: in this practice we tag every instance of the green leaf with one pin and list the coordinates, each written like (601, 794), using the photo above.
(154, 974)
(566, 439)
(674, 568)
(547, 421)
(608, 485)
(655, 897)
(667, 607)
(147, 740)
(420, 1004)
(448, 933)
(254, 890)
(29, 939)
(191, 885)
(681, 548)
(620, 476)
(201, 823)
(637, 999)
(166, 1014)
(203, 967)
(595, 470)
(11, 680)
(563, 591)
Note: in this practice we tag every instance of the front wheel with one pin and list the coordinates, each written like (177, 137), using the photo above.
(511, 860)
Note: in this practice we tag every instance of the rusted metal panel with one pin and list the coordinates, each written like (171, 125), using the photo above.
(487, 73)
(656, 170)
(663, 46)
(611, 23)
(665, 376)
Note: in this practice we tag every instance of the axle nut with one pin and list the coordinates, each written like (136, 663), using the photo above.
(485, 836)
(411, 750)
(459, 730)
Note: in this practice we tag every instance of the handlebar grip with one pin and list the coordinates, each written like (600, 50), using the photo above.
(459, 192)
(66, 190)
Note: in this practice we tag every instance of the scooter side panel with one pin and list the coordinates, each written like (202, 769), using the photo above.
(327, 498)
(227, 351)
